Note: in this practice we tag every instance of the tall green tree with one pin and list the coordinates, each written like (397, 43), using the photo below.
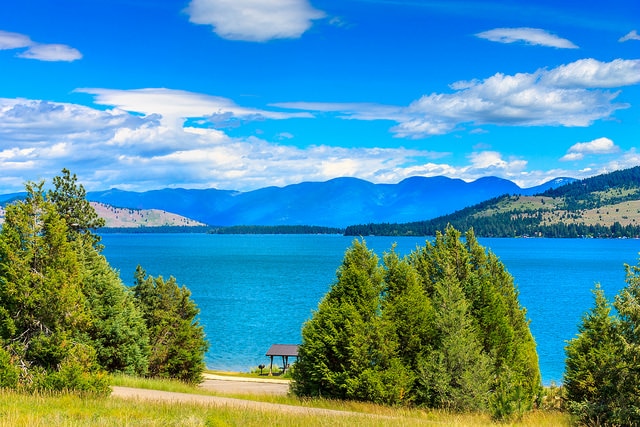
(177, 340)
(504, 332)
(118, 331)
(494, 313)
(627, 304)
(70, 200)
(44, 312)
(594, 366)
(342, 354)
(602, 372)
(408, 316)
(441, 328)
(456, 374)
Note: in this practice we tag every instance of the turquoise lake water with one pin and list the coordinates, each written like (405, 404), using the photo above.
(257, 290)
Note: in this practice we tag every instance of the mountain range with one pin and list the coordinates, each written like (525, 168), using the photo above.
(606, 205)
(335, 203)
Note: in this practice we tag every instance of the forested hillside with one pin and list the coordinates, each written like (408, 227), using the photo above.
(602, 206)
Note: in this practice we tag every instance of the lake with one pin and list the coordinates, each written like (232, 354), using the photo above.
(257, 290)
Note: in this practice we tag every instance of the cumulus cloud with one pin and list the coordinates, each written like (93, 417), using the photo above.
(531, 36)
(569, 95)
(597, 146)
(591, 73)
(254, 20)
(39, 51)
(135, 149)
(631, 35)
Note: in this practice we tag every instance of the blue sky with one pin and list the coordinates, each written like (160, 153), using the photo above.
(243, 94)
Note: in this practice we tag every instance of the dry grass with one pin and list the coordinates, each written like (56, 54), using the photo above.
(71, 410)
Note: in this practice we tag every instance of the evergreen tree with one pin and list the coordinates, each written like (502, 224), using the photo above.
(504, 332)
(602, 373)
(595, 366)
(177, 340)
(342, 348)
(493, 312)
(118, 331)
(627, 304)
(441, 328)
(409, 316)
(44, 313)
(456, 374)
(69, 197)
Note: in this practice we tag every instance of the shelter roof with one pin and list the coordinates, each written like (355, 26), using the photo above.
(283, 350)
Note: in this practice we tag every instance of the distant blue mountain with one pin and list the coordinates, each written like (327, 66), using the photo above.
(335, 203)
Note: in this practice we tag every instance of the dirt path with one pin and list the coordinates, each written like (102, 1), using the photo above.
(240, 385)
(166, 396)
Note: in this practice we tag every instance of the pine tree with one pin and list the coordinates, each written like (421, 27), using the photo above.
(456, 374)
(118, 331)
(177, 340)
(44, 313)
(602, 373)
(595, 366)
(69, 197)
(504, 332)
(441, 328)
(341, 352)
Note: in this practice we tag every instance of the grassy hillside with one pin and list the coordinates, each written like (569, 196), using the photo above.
(133, 218)
(603, 206)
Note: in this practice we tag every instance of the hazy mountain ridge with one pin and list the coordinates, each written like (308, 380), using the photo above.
(335, 203)
(606, 205)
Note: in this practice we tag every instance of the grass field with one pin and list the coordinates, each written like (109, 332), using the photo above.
(71, 410)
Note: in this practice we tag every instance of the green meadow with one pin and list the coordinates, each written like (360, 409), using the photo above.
(69, 409)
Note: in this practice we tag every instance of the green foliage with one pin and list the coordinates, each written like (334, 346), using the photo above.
(78, 372)
(66, 318)
(440, 328)
(118, 331)
(43, 308)
(342, 356)
(69, 197)
(39, 275)
(602, 374)
(9, 372)
(177, 340)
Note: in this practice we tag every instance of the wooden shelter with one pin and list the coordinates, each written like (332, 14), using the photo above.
(285, 351)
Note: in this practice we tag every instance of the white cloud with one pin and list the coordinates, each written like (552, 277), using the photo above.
(591, 73)
(39, 51)
(51, 52)
(114, 148)
(631, 35)
(254, 20)
(13, 40)
(597, 146)
(532, 36)
(568, 95)
(175, 106)
(134, 150)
